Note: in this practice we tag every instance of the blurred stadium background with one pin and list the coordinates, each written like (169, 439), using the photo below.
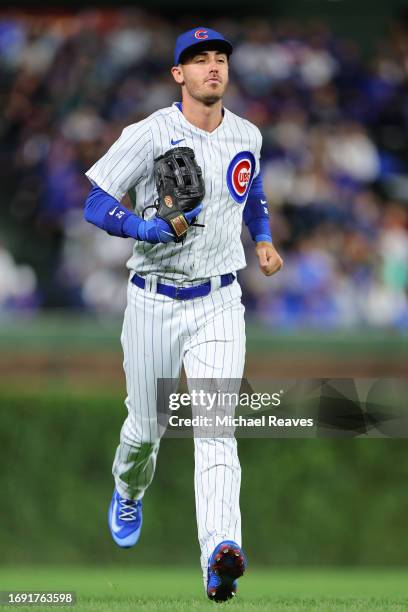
(328, 87)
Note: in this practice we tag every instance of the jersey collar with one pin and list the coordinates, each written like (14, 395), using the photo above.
(179, 107)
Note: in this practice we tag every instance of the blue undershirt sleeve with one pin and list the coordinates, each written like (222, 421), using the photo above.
(106, 212)
(256, 215)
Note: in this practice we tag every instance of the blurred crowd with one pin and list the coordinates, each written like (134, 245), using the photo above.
(335, 159)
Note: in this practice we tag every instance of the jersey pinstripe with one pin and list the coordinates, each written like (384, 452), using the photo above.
(128, 167)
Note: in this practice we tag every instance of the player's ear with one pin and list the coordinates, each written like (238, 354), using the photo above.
(177, 72)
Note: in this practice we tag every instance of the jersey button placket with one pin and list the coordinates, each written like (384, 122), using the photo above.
(199, 240)
(215, 162)
(210, 158)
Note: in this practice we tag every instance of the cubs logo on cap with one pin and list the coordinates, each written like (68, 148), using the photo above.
(200, 36)
(240, 173)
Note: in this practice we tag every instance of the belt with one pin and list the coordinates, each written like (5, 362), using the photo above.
(184, 293)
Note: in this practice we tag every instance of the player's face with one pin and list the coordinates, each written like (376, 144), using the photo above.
(205, 76)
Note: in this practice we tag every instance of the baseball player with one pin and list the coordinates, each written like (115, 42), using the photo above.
(183, 301)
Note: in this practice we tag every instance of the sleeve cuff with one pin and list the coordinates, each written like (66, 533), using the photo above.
(263, 238)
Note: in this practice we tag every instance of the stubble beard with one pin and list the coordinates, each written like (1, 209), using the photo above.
(208, 99)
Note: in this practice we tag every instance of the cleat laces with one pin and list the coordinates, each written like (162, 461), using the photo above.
(128, 509)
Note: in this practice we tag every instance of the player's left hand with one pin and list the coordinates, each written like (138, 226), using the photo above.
(269, 259)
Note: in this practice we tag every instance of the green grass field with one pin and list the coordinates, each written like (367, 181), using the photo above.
(130, 590)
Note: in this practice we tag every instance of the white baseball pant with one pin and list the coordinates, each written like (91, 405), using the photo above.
(159, 335)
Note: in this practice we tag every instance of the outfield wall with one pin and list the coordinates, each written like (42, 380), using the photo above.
(304, 502)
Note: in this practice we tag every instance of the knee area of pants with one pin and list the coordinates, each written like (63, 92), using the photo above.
(147, 444)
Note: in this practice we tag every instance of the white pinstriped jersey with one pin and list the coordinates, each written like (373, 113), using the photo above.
(229, 158)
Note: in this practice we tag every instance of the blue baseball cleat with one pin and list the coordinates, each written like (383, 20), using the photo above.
(125, 520)
(226, 564)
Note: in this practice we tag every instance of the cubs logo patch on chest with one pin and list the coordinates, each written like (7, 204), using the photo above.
(240, 173)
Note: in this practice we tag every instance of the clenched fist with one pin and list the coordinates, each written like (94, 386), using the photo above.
(269, 259)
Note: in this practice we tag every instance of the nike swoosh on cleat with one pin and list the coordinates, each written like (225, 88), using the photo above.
(175, 142)
(115, 527)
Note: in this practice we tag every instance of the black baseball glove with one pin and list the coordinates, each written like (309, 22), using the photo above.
(180, 188)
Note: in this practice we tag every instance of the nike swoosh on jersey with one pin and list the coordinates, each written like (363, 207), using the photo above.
(263, 201)
(175, 142)
(112, 212)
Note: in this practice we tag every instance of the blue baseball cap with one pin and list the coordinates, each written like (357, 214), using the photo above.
(199, 36)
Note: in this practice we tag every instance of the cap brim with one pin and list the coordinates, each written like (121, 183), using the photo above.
(206, 45)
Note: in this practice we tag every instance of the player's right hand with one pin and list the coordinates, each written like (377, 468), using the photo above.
(155, 230)
(192, 215)
(158, 230)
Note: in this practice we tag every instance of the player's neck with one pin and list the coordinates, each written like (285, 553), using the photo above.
(207, 118)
